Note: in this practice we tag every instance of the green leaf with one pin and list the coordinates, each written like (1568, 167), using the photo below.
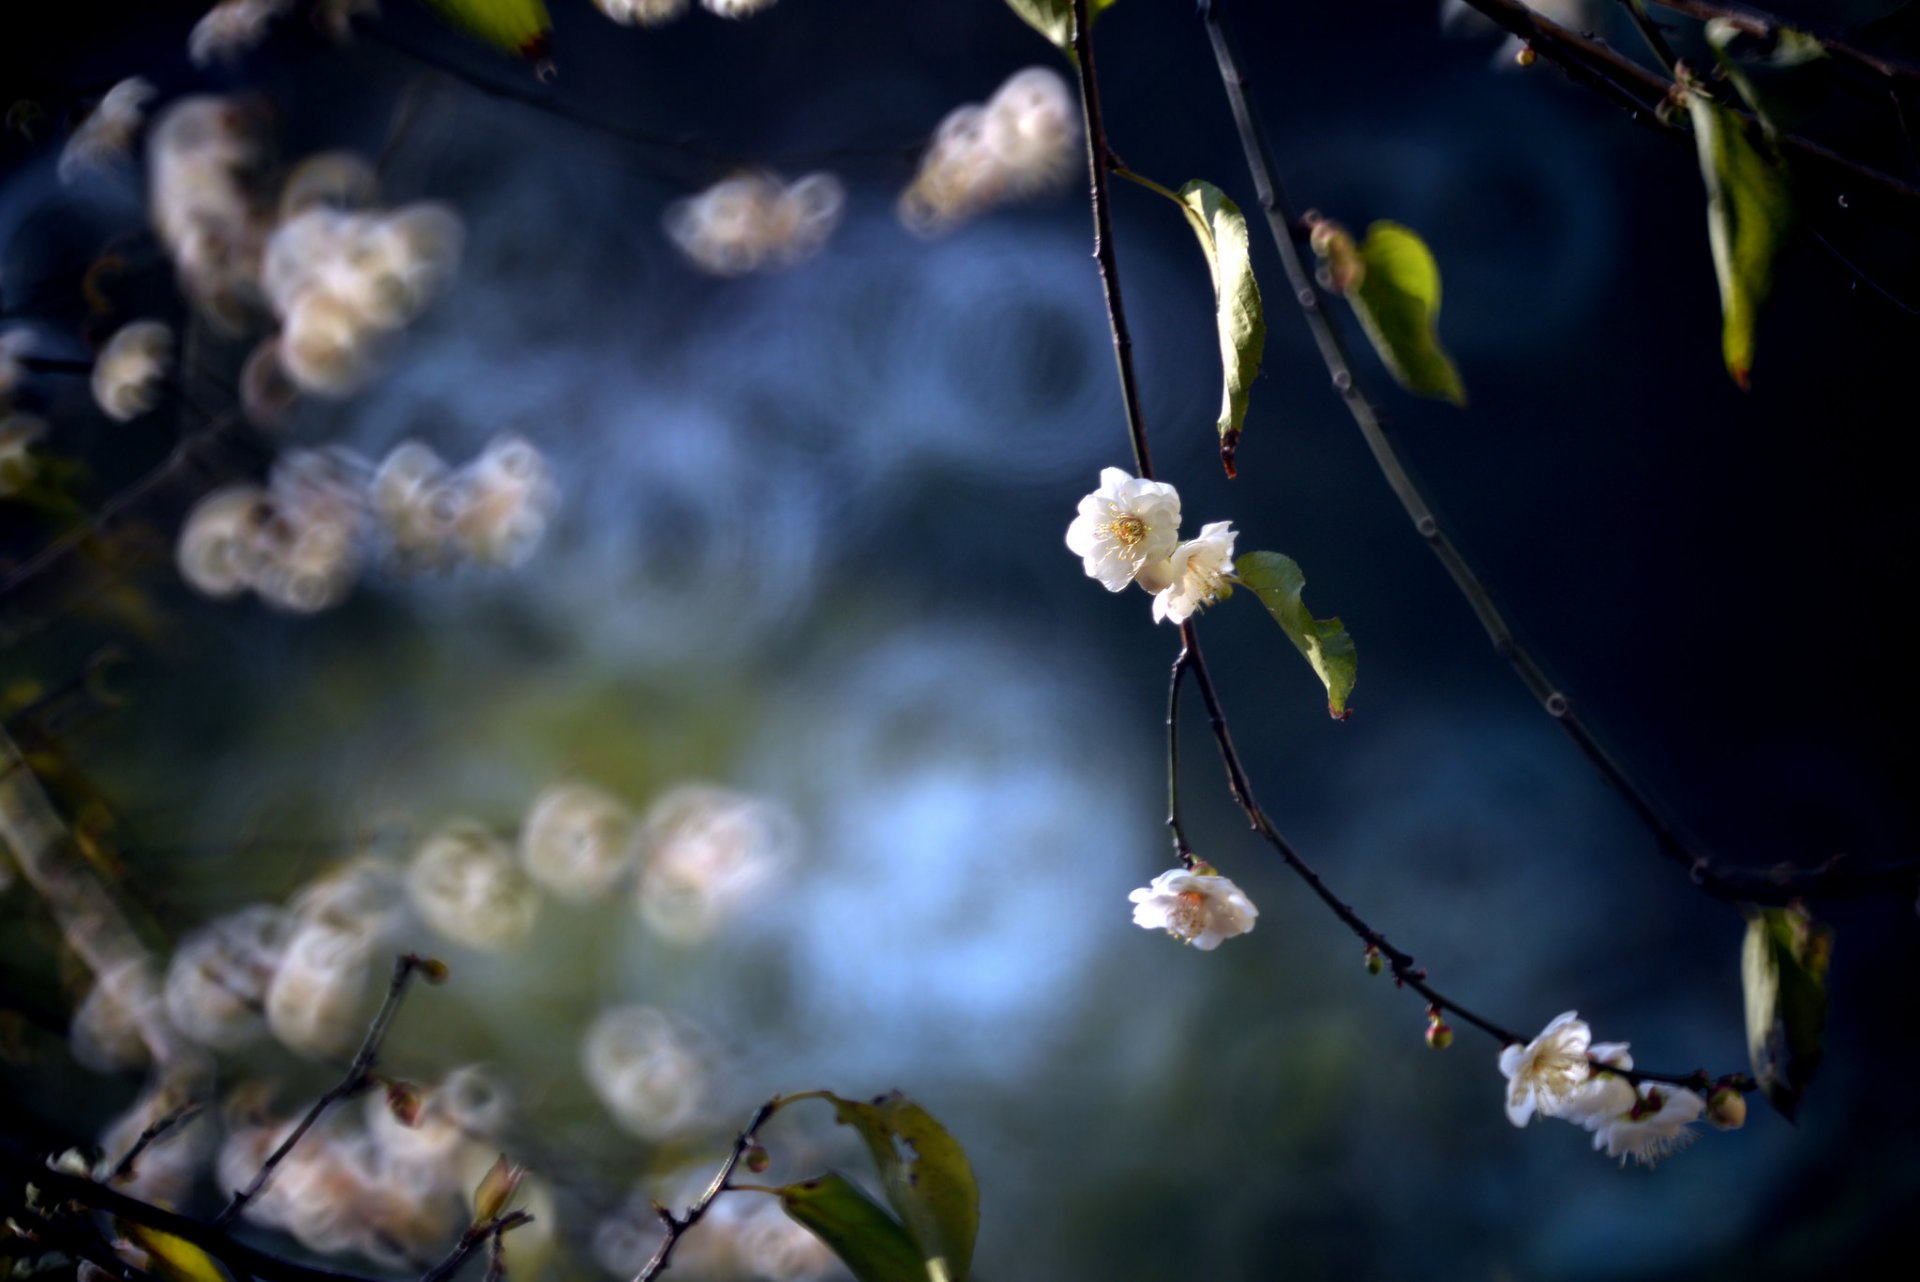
(854, 1227)
(1054, 18)
(173, 1258)
(518, 26)
(1222, 230)
(1749, 211)
(927, 1178)
(1394, 285)
(1278, 582)
(1783, 969)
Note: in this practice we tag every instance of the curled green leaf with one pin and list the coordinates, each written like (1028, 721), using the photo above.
(1393, 282)
(1749, 211)
(1222, 230)
(1278, 582)
(1054, 18)
(1783, 971)
(854, 1227)
(517, 26)
(926, 1176)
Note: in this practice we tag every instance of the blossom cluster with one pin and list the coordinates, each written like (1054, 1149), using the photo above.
(1128, 531)
(301, 541)
(1017, 144)
(753, 221)
(1564, 1073)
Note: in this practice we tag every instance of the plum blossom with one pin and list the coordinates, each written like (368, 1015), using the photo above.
(1017, 144)
(1541, 1074)
(648, 13)
(128, 370)
(1603, 1094)
(753, 221)
(1125, 524)
(1658, 1122)
(735, 8)
(1195, 576)
(1199, 908)
(231, 28)
(107, 133)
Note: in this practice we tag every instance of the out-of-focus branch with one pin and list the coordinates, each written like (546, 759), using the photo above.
(358, 1077)
(488, 1233)
(1755, 22)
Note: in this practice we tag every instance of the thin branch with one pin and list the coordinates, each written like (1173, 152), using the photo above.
(1640, 92)
(677, 1225)
(472, 1240)
(124, 1167)
(1724, 882)
(1755, 22)
(1406, 973)
(1650, 32)
(1181, 850)
(359, 1075)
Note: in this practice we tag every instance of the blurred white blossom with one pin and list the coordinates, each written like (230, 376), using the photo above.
(705, 852)
(735, 8)
(577, 841)
(321, 995)
(1658, 1122)
(465, 885)
(502, 502)
(648, 13)
(231, 28)
(1019, 143)
(127, 372)
(753, 221)
(19, 433)
(644, 1067)
(106, 135)
(218, 552)
(1201, 909)
(202, 157)
(106, 1031)
(1195, 575)
(216, 985)
(1125, 524)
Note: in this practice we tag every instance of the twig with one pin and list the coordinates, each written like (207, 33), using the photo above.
(1650, 32)
(677, 1225)
(1755, 22)
(359, 1075)
(472, 1240)
(124, 1167)
(1181, 850)
(1724, 882)
(1100, 157)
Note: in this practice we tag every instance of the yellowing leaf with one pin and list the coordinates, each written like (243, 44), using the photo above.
(1054, 18)
(1749, 211)
(854, 1227)
(1222, 230)
(518, 26)
(1329, 651)
(1393, 283)
(174, 1258)
(1783, 972)
(927, 1178)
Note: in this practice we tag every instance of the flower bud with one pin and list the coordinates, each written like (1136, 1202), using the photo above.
(757, 1159)
(496, 1189)
(1524, 56)
(1727, 1109)
(1374, 961)
(1439, 1033)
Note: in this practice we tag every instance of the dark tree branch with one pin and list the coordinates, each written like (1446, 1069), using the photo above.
(488, 1233)
(358, 1077)
(125, 1166)
(677, 1225)
(1722, 881)
(1755, 22)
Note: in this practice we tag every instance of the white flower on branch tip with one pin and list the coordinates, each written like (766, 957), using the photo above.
(1657, 1122)
(1195, 576)
(1199, 908)
(1125, 524)
(1541, 1074)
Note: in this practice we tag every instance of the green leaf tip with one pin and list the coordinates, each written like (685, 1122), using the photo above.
(926, 1176)
(1054, 18)
(517, 26)
(1783, 972)
(855, 1228)
(1278, 582)
(1749, 212)
(1222, 230)
(1393, 283)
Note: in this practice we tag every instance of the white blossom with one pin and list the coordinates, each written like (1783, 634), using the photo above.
(1020, 142)
(1195, 575)
(1123, 525)
(1603, 1094)
(127, 372)
(753, 221)
(1198, 908)
(107, 133)
(1542, 1073)
(648, 13)
(217, 982)
(231, 28)
(577, 841)
(706, 851)
(735, 8)
(646, 1069)
(201, 154)
(1658, 1122)
(465, 885)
